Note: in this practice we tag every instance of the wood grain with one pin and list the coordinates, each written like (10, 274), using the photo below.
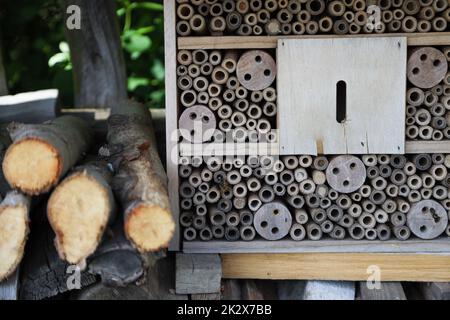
(267, 42)
(171, 114)
(335, 266)
(440, 246)
(308, 74)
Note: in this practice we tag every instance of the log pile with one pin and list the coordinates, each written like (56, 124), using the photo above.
(428, 95)
(302, 197)
(309, 17)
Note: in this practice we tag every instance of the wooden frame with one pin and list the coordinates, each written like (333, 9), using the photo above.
(414, 260)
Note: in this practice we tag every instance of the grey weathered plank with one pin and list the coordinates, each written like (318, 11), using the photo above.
(387, 291)
(9, 289)
(97, 56)
(325, 246)
(231, 289)
(198, 273)
(329, 290)
(30, 107)
(436, 290)
(206, 296)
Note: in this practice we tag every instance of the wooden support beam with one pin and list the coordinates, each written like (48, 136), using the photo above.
(97, 58)
(270, 42)
(387, 291)
(30, 107)
(198, 273)
(349, 266)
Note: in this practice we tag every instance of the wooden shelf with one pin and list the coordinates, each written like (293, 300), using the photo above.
(416, 246)
(270, 42)
(221, 149)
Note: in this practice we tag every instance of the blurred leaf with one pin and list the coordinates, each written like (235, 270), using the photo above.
(134, 82)
(64, 47)
(158, 70)
(136, 43)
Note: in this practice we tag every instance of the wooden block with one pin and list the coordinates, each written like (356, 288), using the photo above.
(30, 107)
(198, 273)
(329, 290)
(291, 290)
(9, 289)
(231, 289)
(436, 290)
(417, 147)
(309, 76)
(388, 291)
(349, 266)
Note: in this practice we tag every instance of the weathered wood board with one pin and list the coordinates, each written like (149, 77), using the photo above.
(374, 71)
(386, 291)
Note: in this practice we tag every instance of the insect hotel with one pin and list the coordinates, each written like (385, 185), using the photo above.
(313, 136)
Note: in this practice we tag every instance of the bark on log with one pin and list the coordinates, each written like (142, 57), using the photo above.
(97, 56)
(41, 154)
(79, 210)
(140, 181)
(5, 141)
(14, 229)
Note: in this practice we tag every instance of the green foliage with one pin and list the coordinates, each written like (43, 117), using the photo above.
(37, 56)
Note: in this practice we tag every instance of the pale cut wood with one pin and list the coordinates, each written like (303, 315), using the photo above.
(324, 246)
(3, 83)
(417, 147)
(30, 107)
(41, 154)
(348, 267)
(270, 42)
(308, 74)
(329, 290)
(97, 56)
(198, 273)
(79, 210)
(219, 149)
(140, 181)
(387, 291)
(14, 229)
(9, 288)
(170, 46)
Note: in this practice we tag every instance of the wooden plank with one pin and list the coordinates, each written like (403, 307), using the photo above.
(3, 82)
(436, 290)
(441, 245)
(171, 115)
(270, 42)
(308, 75)
(220, 149)
(387, 291)
(9, 289)
(329, 290)
(349, 267)
(30, 107)
(414, 147)
(198, 273)
(205, 296)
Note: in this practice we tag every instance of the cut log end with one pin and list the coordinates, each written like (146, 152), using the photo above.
(149, 228)
(78, 211)
(32, 166)
(14, 229)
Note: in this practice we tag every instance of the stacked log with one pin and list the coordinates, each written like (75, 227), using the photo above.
(373, 197)
(428, 95)
(287, 17)
(231, 92)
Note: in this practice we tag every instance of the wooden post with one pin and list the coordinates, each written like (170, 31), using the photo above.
(97, 58)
